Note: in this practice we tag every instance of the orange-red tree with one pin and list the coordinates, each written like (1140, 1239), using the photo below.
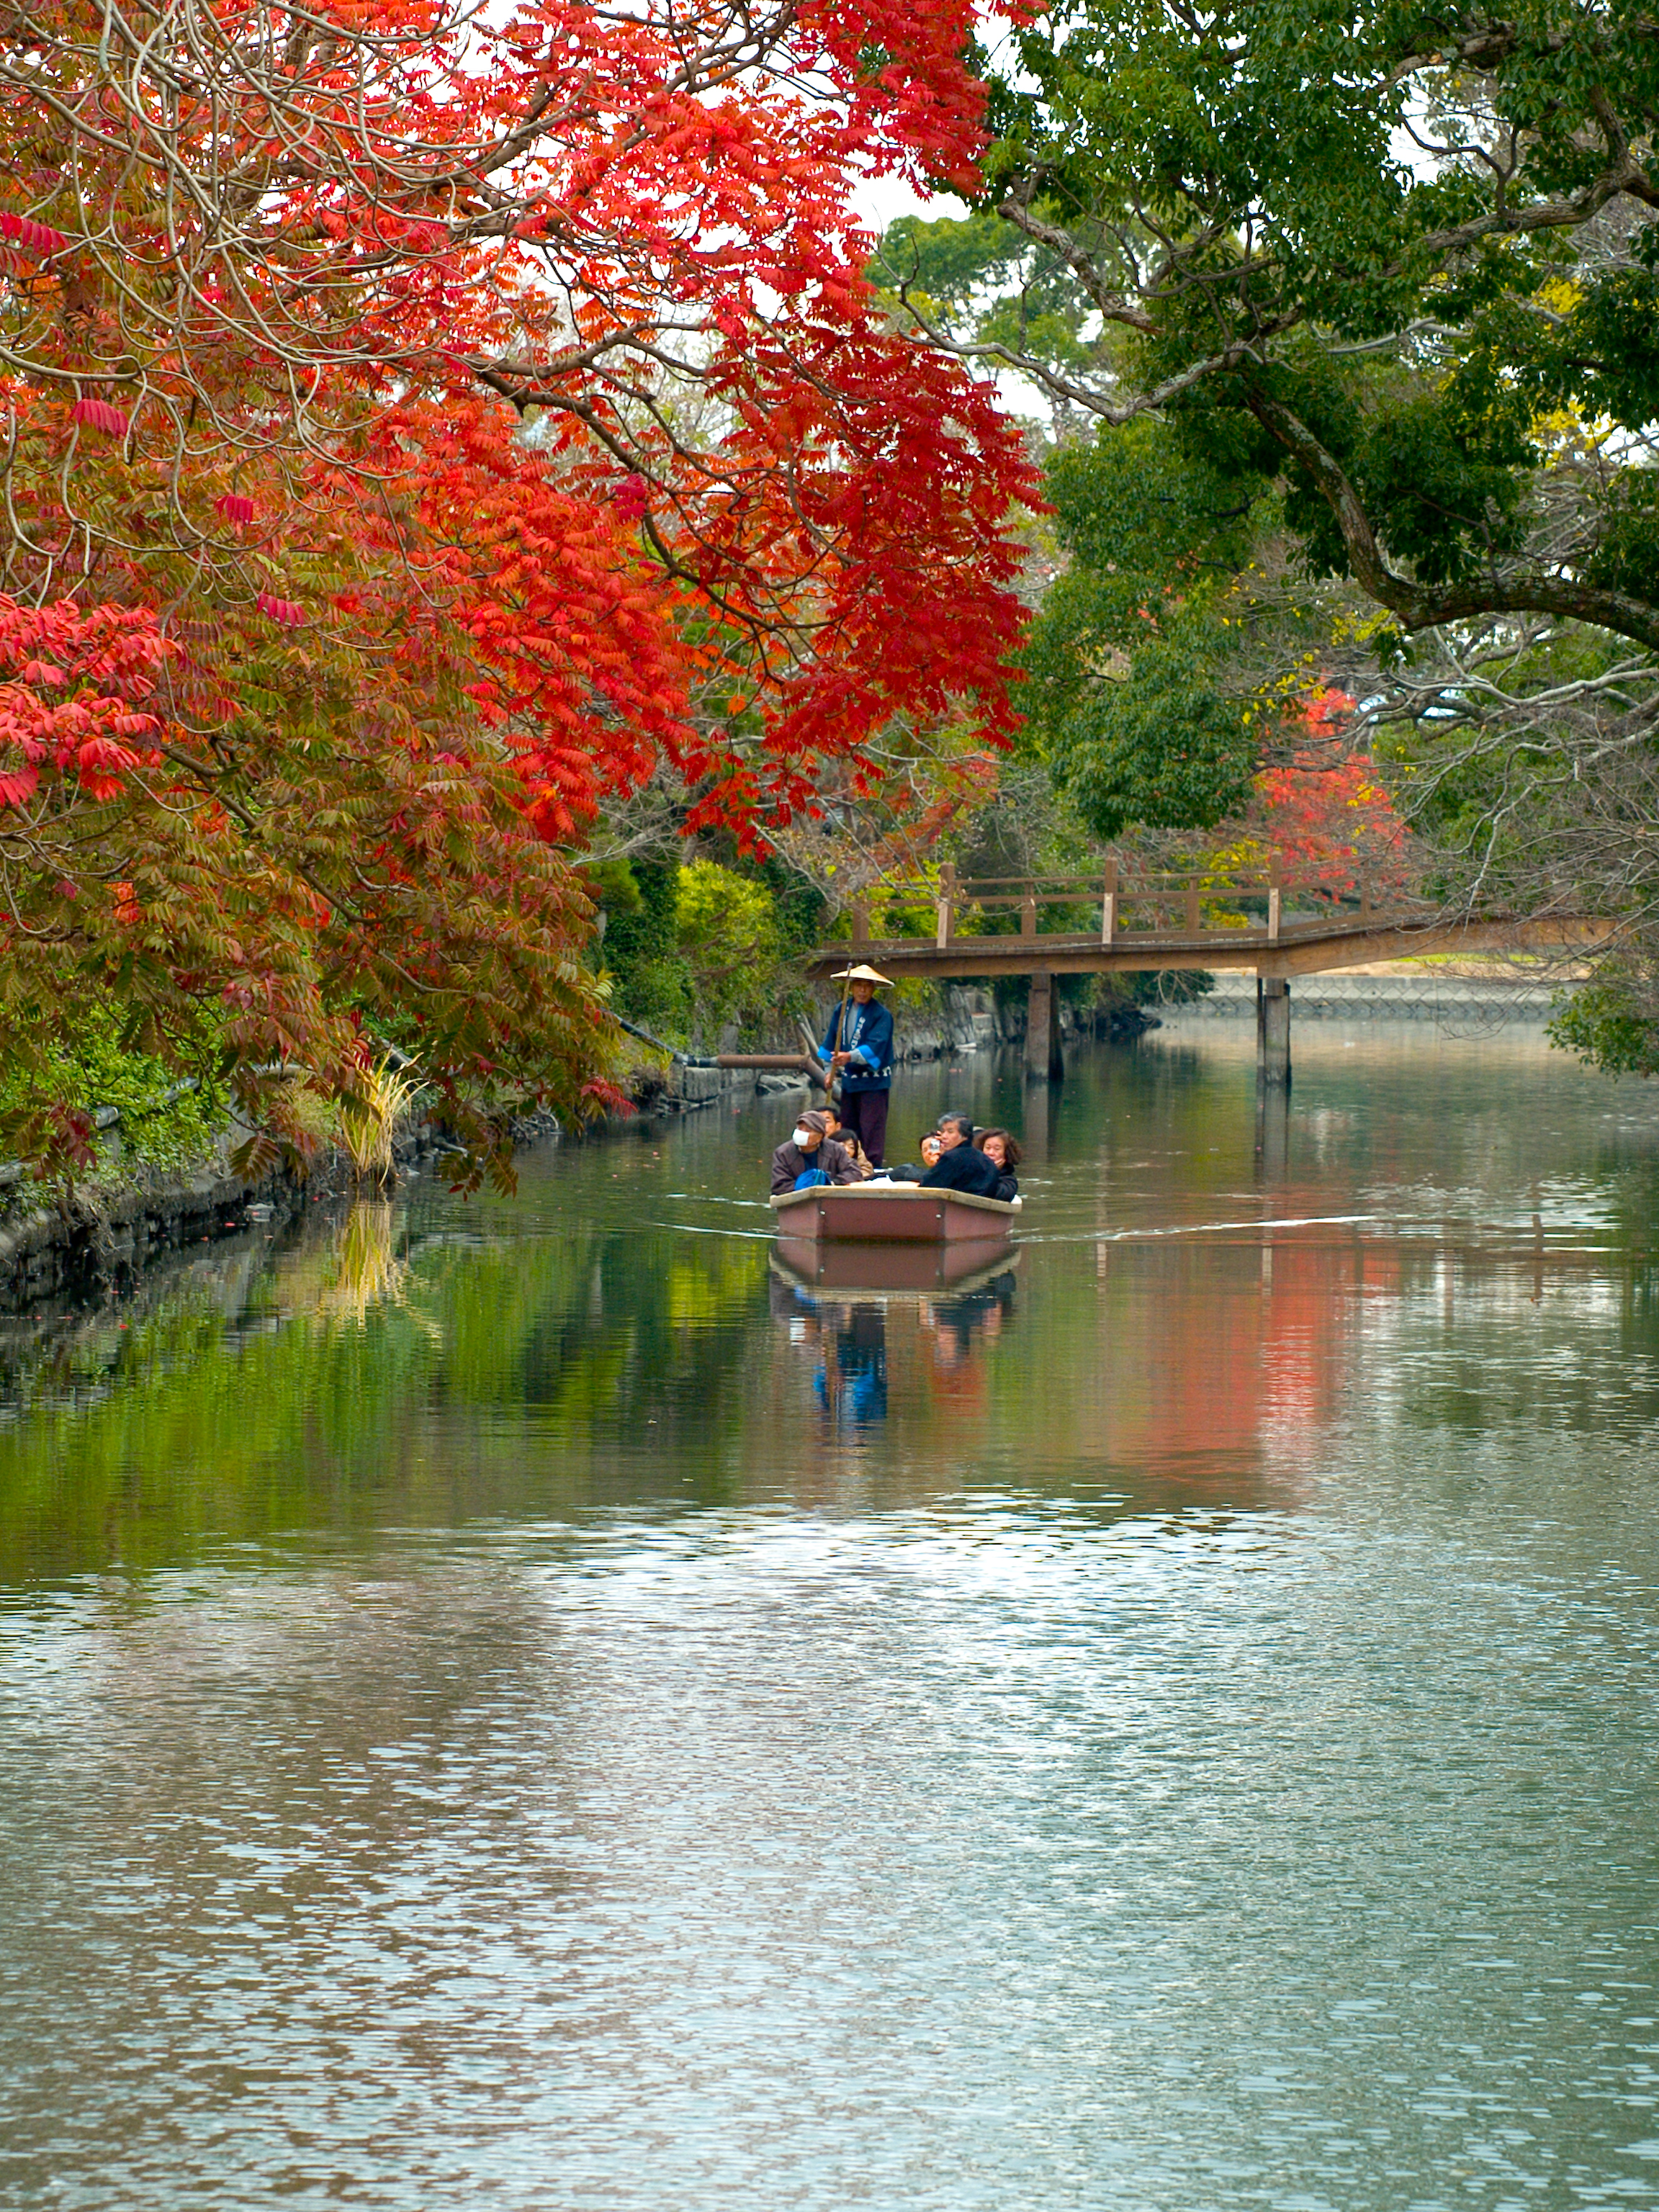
(421, 425)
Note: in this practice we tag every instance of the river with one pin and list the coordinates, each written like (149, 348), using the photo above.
(517, 1704)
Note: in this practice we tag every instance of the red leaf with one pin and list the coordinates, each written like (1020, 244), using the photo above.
(632, 499)
(37, 238)
(98, 415)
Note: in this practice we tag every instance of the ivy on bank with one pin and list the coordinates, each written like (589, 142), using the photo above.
(84, 1074)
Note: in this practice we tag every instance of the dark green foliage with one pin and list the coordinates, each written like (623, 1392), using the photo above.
(691, 946)
(650, 981)
(1611, 1025)
(1347, 317)
(1386, 258)
(1160, 747)
(1130, 655)
(1099, 996)
(980, 279)
(799, 908)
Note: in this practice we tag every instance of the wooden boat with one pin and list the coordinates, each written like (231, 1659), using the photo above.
(893, 1213)
(885, 1272)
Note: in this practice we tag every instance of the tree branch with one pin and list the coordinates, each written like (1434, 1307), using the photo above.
(1422, 607)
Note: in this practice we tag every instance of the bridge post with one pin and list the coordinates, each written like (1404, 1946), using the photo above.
(947, 896)
(1044, 1060)
(1273, 1030)
(1272, 1133)
(1109, 904)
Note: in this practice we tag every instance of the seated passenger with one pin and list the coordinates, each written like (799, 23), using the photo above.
(839, 1134)
(908, 1171)
(1003, 1152)
(962, 1165)
(810, 1157)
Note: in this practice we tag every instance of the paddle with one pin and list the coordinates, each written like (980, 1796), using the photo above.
(838, 1035)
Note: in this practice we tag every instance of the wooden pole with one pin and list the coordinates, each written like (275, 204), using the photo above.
(836, 1037)
(1040, 1028)
(1272, 1036)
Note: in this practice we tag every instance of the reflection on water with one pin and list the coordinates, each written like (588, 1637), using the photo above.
(562, 1702)
(845, 1336)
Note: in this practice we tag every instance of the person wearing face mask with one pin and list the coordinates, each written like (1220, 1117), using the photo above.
(809, 1156)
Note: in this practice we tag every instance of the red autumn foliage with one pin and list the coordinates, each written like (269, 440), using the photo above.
(98, 415)
(37, 238)
(287, 612)
(1330, 822)
(538, 344)
(75, 689)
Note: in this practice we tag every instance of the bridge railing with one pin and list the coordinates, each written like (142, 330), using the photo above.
(1191, 903)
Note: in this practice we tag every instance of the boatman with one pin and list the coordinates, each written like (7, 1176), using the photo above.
(863, 1058)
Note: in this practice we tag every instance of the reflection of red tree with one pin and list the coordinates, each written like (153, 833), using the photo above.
(1217, 1350)
(954, 1370)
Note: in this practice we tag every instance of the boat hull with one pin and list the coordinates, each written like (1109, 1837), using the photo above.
(870, 1213)
(890, 1270)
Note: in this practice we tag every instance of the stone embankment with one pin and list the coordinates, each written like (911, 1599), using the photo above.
(1461, 1003)
(97, 1240)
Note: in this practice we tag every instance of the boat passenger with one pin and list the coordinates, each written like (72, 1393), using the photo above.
(962, 1165)
(810, 1157)
(907, 1171)
(1003, 1152)
(838, 1133)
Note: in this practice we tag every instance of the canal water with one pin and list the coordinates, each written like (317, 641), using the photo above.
(521, 1704)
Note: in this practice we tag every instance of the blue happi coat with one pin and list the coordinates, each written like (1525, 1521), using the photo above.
(869, 1039)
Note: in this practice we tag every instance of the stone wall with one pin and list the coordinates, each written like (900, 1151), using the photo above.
(1456, 1003)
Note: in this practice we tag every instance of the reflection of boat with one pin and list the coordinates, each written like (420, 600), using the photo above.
(892, 1213)
(877, 1271)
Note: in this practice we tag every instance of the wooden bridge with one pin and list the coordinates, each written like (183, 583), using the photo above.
(1266, 920)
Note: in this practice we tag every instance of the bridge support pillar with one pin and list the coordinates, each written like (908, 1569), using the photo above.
(1273, 1133)
(1044, 1062)
(1273, 1030)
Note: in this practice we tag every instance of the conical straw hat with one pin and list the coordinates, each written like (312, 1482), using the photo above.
(861, 973)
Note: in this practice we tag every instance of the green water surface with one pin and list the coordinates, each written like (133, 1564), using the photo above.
(517, 1702)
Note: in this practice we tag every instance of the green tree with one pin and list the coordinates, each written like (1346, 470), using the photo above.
(61, 1099)
(1377, 290)
(650, 981)
(727, 931)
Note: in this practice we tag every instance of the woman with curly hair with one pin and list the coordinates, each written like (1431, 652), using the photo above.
(1004, 1154)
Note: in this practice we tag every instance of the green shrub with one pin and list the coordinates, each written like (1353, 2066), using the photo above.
(163, 1122)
